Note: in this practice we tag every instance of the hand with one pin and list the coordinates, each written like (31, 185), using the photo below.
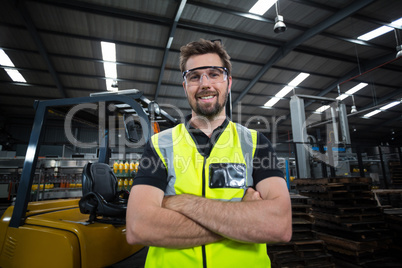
(251, 195)
(165, 200)
(175, 202)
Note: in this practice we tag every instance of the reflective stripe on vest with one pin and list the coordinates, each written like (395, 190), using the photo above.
(247, 147)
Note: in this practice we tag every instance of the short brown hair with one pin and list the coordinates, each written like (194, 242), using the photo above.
(204, 47)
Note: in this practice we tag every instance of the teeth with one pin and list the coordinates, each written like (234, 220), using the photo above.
(207, 97)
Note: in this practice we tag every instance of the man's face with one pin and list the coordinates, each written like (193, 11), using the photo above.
(207, 99)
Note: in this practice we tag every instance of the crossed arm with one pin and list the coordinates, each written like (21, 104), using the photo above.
(183, 221)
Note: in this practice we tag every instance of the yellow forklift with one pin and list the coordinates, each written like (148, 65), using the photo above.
(77, 232)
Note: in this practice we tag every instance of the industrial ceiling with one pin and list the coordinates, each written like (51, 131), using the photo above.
(55, 45)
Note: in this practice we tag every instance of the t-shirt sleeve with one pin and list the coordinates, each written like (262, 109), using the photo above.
(265, 161)
(151, 170)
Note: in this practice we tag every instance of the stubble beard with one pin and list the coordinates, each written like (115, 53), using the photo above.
(207, 111)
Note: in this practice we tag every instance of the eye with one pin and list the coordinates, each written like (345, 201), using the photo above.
(215, 74)
(193, 77)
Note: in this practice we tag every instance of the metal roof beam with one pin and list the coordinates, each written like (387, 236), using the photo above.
(216, 31)
(179, 12)
(132, 15)
(41, 47)
(270, 42)
(106, 11)
(230, 34)
(316, 53)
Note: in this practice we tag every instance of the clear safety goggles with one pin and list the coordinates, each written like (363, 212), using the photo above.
(214, 74)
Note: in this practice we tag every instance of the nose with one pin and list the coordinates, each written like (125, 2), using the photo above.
(202, 80)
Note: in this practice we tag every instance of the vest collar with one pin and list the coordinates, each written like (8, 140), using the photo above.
(197, 135)
(190, 128)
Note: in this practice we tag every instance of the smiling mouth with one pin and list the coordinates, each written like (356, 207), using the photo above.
(207, 97)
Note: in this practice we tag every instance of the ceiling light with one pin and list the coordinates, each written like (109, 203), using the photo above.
(109, 56)
(279, 26)
(262, 6)
(14, 74)
(356, 88)
(5, 60)
(322, 109)
(370, 114)
(115, 84)
(348, 93)
(354, 109)
(375, 33)
(380, 31)
(390, 105)
(298, 79)
(272, 102)
(109, 83)
(382, 109)
(110, 69)
(396, 23)
(342, 97)
(399, 51)
(284, 91)
(351, 91)
(108, 51)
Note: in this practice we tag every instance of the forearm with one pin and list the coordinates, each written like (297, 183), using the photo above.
(260, 221)
(233, 220)
(151, 225)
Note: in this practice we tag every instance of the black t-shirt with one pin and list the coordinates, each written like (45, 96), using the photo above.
(153, 172)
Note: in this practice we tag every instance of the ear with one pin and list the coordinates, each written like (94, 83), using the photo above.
(184, 87)
(229, 83)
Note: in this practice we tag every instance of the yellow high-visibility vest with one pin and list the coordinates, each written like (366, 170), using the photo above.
(223, 175)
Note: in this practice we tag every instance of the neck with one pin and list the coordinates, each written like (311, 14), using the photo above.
(207, 125)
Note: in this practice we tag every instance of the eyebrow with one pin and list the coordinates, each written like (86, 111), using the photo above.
(205, 67)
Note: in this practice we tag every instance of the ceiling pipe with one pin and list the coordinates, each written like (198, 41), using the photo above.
(370, 70)
(388, 58)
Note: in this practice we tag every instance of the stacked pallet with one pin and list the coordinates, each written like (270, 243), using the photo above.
(304, 250)
(395, 170)
(348, 219)
(393, 218)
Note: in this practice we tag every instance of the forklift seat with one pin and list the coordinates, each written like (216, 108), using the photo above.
(100, 196)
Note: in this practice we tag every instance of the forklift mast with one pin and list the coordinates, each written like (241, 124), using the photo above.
(128, 97)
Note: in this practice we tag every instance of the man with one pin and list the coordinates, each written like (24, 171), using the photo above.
(204, 196)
